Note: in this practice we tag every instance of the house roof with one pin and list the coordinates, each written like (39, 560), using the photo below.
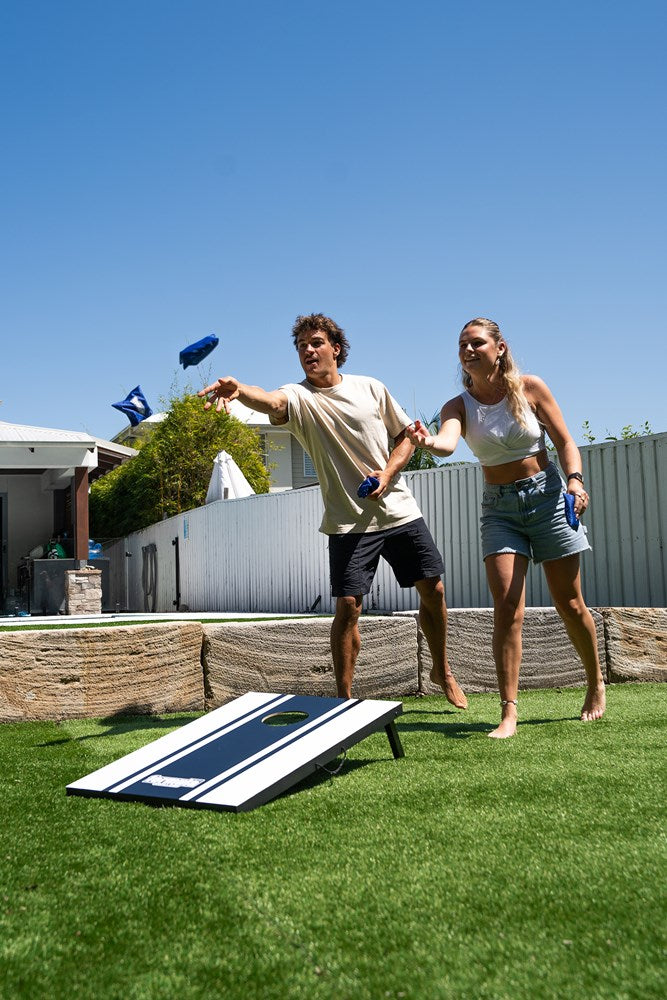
(109, 455)
(35, 449)
(139, 431)
(243, 413)
(24, 434)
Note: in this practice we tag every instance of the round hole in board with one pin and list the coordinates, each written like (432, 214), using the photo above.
(284, 718)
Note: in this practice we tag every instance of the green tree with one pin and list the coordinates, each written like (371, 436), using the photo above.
(626, 434)
(172, 471)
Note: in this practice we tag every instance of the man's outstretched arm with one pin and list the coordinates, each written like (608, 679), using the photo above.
(228, 388)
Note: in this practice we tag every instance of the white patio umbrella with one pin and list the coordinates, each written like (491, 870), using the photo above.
(227, 481)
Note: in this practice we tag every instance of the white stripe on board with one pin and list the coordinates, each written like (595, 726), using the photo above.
(263, 775)
(190, 747)
(256, 758)
(137, 760)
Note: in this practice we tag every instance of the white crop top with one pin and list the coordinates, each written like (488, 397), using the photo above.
(494, 436)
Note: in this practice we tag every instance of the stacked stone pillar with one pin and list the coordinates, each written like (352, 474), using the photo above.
(83, 591)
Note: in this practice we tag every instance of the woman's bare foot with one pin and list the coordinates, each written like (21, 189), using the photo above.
(450, 686)
(506, 728)
(508, 722)
(594, 704)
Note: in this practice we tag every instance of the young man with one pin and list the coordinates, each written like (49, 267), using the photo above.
(346, 424)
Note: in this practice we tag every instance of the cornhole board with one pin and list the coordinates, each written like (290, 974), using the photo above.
(244, 753)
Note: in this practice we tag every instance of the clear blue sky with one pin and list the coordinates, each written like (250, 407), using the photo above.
(174, 169)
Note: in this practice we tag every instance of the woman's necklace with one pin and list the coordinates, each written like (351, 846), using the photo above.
(496, 394)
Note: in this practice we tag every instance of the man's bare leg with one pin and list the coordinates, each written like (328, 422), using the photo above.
(345, 642)
(433, 621)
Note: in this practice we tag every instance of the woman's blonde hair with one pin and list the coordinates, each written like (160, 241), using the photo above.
(511, 375)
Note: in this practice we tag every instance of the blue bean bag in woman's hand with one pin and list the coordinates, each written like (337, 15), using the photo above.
(572, 518)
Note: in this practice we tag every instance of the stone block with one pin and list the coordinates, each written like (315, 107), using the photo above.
(549, 659)
(75, 673)
(293, 656)
(636, 640)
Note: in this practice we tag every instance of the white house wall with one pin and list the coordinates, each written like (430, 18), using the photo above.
(264, 553)
(279, 458)
(29, 518)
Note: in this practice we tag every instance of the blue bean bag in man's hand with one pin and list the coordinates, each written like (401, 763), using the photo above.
(369, 485)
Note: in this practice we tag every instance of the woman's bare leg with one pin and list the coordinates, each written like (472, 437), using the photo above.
(506, 574)
(564, 582)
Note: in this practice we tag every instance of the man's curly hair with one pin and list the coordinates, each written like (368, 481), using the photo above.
(317, 321)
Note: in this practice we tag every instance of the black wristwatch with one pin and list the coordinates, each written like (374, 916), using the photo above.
(576, 475)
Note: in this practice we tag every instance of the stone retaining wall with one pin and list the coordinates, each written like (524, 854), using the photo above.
(548, 657)
(636, 643)
(184, 666)
(92, 672)
(294, 657)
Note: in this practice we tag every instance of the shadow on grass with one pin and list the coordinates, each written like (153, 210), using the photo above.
(460, 730)
(328, 774)
(121, 724)
(455, 730)
(438, 712)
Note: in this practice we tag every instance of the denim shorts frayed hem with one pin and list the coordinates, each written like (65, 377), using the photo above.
(528, 517)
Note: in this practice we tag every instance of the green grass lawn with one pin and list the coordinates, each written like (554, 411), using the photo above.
(35, 626)
(472, 868)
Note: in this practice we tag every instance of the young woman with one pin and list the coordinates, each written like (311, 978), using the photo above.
(502, 415)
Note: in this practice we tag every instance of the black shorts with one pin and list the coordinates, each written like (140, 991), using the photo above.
(409, 549)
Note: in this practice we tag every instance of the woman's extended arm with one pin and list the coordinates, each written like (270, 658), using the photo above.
(451, 427)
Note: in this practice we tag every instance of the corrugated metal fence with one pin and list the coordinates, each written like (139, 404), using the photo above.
(265, 553)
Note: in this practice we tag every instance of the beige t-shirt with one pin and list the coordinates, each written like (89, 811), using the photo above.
(349, 431)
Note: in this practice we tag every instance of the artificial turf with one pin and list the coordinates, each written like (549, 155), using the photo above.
(111, 623)
(471, 868)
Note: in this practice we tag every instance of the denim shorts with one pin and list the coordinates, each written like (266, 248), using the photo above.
(528, 517)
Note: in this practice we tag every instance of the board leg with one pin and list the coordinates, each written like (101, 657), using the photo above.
(394, 740)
